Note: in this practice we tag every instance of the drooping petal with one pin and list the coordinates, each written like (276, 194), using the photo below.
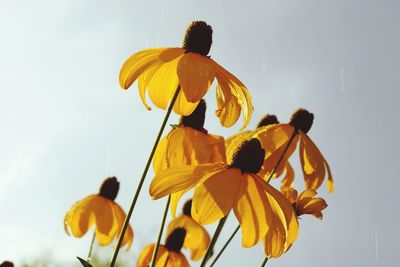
(136, 64)
(163, 84)
(216, 148)
(252, 210)
(182, 106)
(77, 218)
(281, 204)
(120, 216)
(103, 217)
(143, 82)
(175, 197)
(160, 156)
(232, 98)
(330, 183)
(80, 220)
(196, 74)
(214, 198)
(279, 141)
(145, 256)
(289, 175)
(176, 179)
(312, 163)
(176, 259)
(196, 239)
(275, 239)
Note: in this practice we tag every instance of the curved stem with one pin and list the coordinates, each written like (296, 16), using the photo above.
(164, 218)
(264, 262)
(213, 241)
(226, 244)
(91, 247)
(268, 180)
(135, 198)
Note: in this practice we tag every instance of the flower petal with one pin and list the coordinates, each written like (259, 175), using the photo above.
(280, 204)
(136, 64)
(214, 198)
(176, 179)
(274, 142)
(252, 210)
(145, 256)
(182, 106)
(232, 98)
(312, 162)
(176, 259)
(163, 84)
(175, 197)
(196, 74)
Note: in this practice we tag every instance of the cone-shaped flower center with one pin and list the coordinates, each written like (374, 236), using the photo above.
(187, 208)
(198, 38)
(175, 240)
(249, 157)
(302, 119)
(268, 120)
(7, 264)
(109, 188)
(196, 119)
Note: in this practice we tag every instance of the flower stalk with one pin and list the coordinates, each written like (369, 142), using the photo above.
(210, 249)
(164, 218)
(136, 196)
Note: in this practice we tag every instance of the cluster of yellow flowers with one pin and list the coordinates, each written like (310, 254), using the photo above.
(224, 174)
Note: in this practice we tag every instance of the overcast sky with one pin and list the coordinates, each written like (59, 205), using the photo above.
(66, 124)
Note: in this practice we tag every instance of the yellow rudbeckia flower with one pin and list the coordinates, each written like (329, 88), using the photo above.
(275, 139)
(99, 210)
(306, 202)
(169, 255)
(233, 142)
(197, 238)
(220, 187)
(161, 70)
(188, 144)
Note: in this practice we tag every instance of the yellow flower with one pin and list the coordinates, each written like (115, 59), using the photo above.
(99, 210)
(168, 255)
(275, 138)
(161, 70)
(306, 202)
(219, 187)
(197, 238)
(188, 144)
(233, 142)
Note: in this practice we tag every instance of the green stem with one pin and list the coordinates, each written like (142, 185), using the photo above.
(226, 244)
(91, 247)
(213, 241)
(264, 262)
(135, 198)
(164, 218)
(268, 180)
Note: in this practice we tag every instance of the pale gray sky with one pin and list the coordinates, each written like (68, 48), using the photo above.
(61, 110)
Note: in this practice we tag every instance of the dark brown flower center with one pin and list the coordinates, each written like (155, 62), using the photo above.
(302, 119)
(187, 208)
(198, 38)
(268, 120)
(249, 157)
(109, 188)
(7, 264)
(196, 119)
(175, 240)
